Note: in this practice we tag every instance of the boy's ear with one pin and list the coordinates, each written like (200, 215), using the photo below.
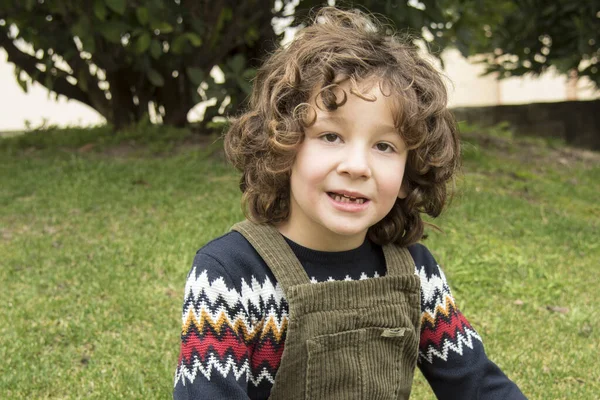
(403, 192)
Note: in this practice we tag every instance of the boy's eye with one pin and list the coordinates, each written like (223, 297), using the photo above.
(330, 137)
(384, 147)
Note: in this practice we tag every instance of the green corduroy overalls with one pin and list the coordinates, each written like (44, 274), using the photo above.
(345, 339)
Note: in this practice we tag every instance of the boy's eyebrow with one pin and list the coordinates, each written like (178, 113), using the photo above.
(330, 118)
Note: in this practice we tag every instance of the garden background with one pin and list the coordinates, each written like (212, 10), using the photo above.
(99, 225)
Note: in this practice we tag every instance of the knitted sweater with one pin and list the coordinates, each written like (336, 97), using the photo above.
(235, 317)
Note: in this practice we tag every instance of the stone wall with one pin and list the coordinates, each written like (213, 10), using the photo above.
(577, 122)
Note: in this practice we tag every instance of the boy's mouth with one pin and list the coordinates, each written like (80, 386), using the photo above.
(343, 198)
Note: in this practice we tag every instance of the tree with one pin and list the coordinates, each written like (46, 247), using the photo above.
(528, 36)
(125, 58)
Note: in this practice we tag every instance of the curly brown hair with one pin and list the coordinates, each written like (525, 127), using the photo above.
(337, 46)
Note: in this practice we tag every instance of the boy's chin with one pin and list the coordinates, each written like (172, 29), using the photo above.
(349, 232)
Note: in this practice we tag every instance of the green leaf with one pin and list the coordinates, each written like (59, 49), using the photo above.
(117, 6)
(143, 43)
(224, 16)
(249, 74)
(23, 85)
(549, 10)
(244, 85)
(21, 82)
(163, 27)
(251, 35)
(81, 27)
(138, 32)
(89, 44)
(434, 11)
(198, 25)
(82, 81)
(69, 54)
(29, 4)
(178, 45)
(100, 9)
(142, 15)
(196, 98)
(236, 63)
(155, 77)
(48, 81)
(112, 30)
(155, 49)
(464, 37)
(415, 18)
(196, 75)
(194, 39)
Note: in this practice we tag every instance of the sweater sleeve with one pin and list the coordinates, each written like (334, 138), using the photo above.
(214, 354)
(451, 353)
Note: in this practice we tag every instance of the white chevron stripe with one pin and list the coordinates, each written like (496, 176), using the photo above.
(362, 277)
(195, 285)
(250, 294)
(448, 345)
(255, 291)
(212, 364)
(264, 374)
(185, 374)
(443, 303)
(255, 294)
(433, 287)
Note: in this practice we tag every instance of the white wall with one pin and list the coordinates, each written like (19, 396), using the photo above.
(16, 106)
(468, 88)
(471, 89)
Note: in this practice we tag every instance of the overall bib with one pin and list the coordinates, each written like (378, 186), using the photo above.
(346, 340)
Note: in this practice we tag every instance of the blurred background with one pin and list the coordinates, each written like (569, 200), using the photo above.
(112, 175)
(173, 62)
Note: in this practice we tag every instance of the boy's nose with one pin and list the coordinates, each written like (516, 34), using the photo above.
(355, 163)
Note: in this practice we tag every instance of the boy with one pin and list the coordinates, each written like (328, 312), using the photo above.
(325, 293)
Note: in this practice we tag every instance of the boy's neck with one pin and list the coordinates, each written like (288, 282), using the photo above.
(314, 241)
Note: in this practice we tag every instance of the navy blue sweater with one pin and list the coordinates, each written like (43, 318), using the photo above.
(235, 319)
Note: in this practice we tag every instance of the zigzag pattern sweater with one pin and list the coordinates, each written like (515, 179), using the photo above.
(235, 317)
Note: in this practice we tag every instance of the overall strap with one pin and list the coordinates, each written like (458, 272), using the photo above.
(398, 260)
(274, 250)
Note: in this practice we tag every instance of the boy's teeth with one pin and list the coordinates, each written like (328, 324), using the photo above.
(346, 199)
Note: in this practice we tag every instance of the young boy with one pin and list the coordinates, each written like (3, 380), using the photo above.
(325, 293)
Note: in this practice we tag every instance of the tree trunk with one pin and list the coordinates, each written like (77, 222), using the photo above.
(122, 105)
(175, 97)
(177, 117)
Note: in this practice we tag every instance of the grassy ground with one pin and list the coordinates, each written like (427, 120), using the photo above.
(95, 245)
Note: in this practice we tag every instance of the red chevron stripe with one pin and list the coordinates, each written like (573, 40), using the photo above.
(268, 353)
(434, 336)
(210, 344)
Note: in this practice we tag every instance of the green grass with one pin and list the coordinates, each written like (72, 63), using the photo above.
(95, 248)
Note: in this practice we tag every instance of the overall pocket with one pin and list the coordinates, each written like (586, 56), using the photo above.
(362, 364)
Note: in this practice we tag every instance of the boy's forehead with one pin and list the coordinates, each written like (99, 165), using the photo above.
(368, 90)
(347, 84)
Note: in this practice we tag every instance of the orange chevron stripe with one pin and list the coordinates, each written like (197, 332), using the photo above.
(271, 327)
(261, 330)
(221, 322)
(439, 309)
(189, 321)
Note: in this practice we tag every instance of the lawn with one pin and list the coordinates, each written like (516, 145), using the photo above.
(95, 245)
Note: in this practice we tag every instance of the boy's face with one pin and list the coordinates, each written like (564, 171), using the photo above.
(347, 173)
